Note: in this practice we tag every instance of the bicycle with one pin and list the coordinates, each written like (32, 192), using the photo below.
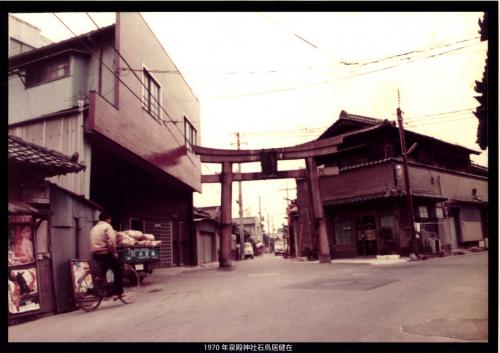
(93, 287)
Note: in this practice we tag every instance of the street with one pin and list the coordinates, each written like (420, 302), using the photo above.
(272, 299)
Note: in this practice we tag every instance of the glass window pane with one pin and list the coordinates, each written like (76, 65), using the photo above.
(422, 211)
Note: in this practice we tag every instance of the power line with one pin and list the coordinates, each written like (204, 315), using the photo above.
(123, 83)
(421, 50)
(445, 121)
(135, 74)
(439, 116)
(418, 117)
(323, 82)
(312, 67)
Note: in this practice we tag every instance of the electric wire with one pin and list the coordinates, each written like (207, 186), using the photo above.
(362, 64)
(419, 117)
(328, 81)
(124, 84)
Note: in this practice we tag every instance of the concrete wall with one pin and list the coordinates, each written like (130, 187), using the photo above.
(29, 103)
(79, 72)
(451, 185)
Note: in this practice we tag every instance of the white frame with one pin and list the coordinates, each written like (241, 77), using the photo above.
(143, 89)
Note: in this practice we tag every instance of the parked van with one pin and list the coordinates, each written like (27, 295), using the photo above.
(279, 247)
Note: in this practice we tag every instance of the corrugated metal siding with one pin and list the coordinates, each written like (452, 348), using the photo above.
(162, 230)
(64, 135)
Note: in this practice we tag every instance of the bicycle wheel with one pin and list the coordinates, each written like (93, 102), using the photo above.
(131, 284)
(88, 296)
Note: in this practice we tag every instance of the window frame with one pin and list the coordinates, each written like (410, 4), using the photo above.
(47, 67)
(192, 139)
(420, 208)
(147, 79)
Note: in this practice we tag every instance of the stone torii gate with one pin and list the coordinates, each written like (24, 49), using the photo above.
(269, 162)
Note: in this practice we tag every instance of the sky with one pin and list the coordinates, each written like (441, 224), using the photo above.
(281, 79)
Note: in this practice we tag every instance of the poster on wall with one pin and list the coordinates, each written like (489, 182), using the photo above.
(78, 268)
(23, 290)
(21, 246)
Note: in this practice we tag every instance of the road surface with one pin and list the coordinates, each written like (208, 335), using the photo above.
(271, 299)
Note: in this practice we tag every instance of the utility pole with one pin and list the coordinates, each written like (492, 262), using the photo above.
(240, 201)
(409, 198)
(261, 235)
(269, 230)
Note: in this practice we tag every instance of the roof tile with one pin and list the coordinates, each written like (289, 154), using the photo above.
(52, 162)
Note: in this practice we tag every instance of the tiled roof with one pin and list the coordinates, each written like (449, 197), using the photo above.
(375, 123)
(359, 118)
(379, 195)
(46, 161)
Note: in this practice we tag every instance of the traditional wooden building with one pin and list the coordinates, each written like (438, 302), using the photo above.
(365, 203)
(104, 97)
(48, 226)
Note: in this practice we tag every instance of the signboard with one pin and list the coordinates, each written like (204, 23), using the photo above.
(135, 254)
(78, 268)
(23, 290)
(21, 250)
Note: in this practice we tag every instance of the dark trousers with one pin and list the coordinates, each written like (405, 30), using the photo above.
(109, 261)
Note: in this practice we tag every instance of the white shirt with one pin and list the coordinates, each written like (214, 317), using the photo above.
(102, 238)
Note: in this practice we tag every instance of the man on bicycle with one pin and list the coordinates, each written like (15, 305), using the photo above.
(103, 248)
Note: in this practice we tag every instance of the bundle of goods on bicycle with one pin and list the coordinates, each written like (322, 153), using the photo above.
(135, 237)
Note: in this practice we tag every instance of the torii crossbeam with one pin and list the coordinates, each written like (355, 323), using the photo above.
(269, 158)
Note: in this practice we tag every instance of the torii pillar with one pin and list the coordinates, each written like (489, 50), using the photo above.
(225, 217)
(317, 207)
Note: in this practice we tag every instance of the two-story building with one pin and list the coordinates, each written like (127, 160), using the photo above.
(365, 203)
(252, 227)
(114, 99)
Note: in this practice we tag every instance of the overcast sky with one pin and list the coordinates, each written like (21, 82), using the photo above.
(282, 78)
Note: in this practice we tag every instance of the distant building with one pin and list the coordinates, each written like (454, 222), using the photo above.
(365, 204)
(251, 226)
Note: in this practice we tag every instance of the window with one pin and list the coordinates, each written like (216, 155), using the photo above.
(439, 212)
(343, 234)
(189, 134)
(423, 212)
(470, 215)
(387, 227)
(151, 96)
(47, 71)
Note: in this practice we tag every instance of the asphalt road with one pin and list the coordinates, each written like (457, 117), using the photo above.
(271, 299)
